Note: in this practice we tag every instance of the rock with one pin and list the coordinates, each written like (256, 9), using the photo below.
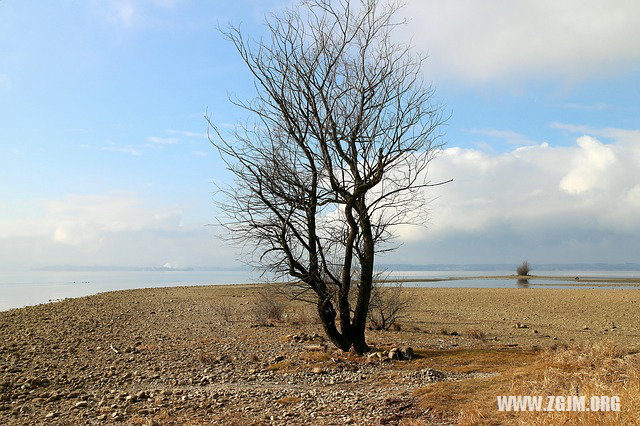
(102, 417)
(395, 353)
(520, 325)
(279, 358)
(585, 327)
(535, 331)
(408, 353)
(81, 404)
(317, 370)
(51, 415)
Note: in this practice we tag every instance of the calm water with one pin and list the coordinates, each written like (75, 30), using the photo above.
(33, 287)
(19, 289)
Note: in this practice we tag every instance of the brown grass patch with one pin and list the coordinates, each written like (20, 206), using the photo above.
(282, 365)
(300, 316)
(473, 360)
(476, 334)
(593, 370)
(137, 420)
(207, 357)
(289, 400)
(315, 356)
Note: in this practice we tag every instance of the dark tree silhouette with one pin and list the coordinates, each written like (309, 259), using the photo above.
(336, 157)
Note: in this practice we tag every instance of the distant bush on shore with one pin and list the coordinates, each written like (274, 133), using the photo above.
(523, 269)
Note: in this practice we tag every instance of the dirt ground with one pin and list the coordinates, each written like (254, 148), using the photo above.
(201, 355)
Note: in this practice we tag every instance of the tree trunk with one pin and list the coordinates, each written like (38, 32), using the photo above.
(328, 317)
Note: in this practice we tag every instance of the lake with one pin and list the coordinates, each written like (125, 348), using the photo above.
(20, 288)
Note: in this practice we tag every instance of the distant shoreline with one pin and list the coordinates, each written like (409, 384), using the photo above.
(577, 281)
(19, 291)
(383, 267)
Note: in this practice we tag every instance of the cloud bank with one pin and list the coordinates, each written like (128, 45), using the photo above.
(545, 203)
(490, 40)
(120, 229)
(560, 204)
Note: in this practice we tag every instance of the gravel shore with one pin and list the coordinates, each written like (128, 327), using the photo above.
(197, 354)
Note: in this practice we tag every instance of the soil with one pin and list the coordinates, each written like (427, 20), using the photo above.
(203, 355)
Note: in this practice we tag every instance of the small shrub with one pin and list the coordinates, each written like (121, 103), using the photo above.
(524, 269)
(387, 306)
(300, 317)
(269, 306)
(224, 311)
(476, 334)
(207, 358)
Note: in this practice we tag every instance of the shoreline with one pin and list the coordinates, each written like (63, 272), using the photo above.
(531, 281)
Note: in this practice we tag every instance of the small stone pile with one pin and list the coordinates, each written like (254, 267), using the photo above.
(405, 353)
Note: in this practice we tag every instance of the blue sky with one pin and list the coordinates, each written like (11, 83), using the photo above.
(104, 159)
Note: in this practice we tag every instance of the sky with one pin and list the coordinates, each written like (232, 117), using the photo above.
(104, 158)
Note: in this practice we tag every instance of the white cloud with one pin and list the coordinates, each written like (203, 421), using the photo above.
(124, 149)
(118, 228)
(590, 167)
(492, 40)
(187, 133)
(162, 141)
(591, 187)
(79, 219)
(621, 135)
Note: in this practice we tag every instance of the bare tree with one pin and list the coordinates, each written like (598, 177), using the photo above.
(336, 157)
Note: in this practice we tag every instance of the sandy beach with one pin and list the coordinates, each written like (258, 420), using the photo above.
(198, 354)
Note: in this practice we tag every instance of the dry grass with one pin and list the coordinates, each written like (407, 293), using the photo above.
(207, 357)
(594, 370)
(476, 334)
(301, 316)
(225, 311)
(315, 356)
(289, 400)
(473, 360)
(147, 347)
(270, 305)
(282, 365)
(602, 369)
